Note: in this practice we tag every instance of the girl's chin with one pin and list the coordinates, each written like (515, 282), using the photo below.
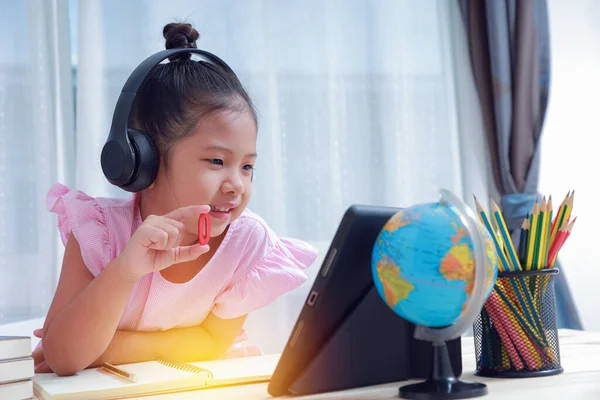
(217, 230)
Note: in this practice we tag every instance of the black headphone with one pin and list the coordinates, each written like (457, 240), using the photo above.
(129, 157)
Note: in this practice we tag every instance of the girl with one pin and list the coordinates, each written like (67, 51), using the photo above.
(135, 283)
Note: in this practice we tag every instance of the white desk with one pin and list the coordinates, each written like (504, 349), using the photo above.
(580, 358)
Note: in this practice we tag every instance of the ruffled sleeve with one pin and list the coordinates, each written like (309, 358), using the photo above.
(274, 267)
(82, 215)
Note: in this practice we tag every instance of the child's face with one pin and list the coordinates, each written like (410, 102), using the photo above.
(214, 166)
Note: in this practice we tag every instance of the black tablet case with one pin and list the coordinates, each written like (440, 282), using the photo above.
(371, 348)
(370, 344)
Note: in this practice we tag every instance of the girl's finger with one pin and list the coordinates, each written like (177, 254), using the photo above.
(180, 227)
(155, 238)
(175, 234)
(183, 213)
(38, 356)
(42, 368)
(182, 254)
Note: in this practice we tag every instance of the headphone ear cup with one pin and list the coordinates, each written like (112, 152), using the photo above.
(147, 161)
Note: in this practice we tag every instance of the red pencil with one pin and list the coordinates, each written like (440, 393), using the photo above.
(559, 219)
(570, 228)
(501, 322)
(561, 237)
(567, 233)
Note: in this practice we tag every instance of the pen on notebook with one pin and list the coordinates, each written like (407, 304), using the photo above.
(119, 372)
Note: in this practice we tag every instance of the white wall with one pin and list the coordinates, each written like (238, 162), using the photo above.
(570, 152)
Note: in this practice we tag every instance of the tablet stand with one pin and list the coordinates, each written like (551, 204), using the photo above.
(356, 355)
(359, 355)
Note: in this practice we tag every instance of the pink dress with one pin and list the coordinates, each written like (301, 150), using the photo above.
(250, 269)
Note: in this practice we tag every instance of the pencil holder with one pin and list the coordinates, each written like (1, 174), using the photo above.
(516, 332)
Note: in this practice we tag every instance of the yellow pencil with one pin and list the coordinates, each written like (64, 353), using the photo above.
(541, 257)
(519, 285)
(504, 263)
(548, 231)
(499, 237)
(506, 236)
(540, 223)
(558, 220)
(569, 205)
(532, 234)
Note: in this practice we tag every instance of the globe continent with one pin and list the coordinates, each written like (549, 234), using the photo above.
(423, 264)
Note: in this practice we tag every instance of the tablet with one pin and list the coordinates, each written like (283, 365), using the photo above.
(345, 335)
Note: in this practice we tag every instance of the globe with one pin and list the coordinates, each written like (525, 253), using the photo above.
(423, 264)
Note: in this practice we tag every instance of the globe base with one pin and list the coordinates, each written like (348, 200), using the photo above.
(434, 390)
(442, 384)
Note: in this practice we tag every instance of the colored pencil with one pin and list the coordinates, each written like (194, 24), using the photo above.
(548, 230)
(517, 335)
(557, 241)
(541, 233)
(524, 240)
(502, 324)
(512, 328)
(569, 206)
(532, 235)
(504, 264)
(558, 221)
(561, 238)
(487, 346)
(521, 296)
(522, 319)
(570, 228)
(505, 236)
(525, 300)
(521, 241)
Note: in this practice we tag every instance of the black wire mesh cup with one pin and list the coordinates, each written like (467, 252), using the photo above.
(516, 333)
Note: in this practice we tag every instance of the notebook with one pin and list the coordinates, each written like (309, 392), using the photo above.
(15, 347)
(154, 378)
(16, 369)
(16, 390)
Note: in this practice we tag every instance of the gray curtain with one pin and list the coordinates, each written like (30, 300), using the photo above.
(509, 47)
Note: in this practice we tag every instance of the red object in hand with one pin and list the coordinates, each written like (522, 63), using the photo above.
(204, 234)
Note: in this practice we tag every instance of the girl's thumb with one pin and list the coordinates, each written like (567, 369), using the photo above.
(184, 253)
(38, 333)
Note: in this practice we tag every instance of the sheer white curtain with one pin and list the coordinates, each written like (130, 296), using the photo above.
(357, 104)
(36, 122)
(569, 150)
(355, 97)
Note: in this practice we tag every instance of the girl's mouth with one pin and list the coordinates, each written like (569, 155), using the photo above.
(221, 212)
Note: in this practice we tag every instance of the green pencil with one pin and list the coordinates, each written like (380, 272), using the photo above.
(538, 237)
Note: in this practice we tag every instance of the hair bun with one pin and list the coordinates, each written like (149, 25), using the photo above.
(180, 36)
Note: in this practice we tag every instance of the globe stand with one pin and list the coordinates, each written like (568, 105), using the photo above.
(442, 384)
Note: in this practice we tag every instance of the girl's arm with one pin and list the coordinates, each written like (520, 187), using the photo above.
(84, 313)
(205, 342)
(81, 326)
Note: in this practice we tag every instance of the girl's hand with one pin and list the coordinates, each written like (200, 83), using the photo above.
(39, 361)
(155, 245)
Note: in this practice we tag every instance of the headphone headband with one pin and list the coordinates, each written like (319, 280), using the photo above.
(120, 121)
(120, 163)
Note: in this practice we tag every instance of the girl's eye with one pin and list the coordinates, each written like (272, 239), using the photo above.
(248, 167)
(215, 161)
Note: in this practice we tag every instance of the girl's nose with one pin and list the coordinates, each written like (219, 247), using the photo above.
(234, 184)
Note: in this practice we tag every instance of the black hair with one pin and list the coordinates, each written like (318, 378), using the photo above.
(176, 95)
